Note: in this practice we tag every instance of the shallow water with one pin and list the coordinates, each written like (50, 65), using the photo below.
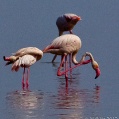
(32, 23)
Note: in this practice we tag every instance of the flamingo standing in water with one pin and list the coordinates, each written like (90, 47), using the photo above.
(70, 44)
(66, 22)
(24, 58)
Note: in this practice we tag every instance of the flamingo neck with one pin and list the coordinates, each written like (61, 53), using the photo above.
(91, 57)
(77, 62)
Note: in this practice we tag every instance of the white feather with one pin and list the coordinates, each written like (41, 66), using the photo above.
(24, 61)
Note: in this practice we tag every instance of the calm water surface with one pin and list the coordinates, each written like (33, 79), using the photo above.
(32, 23)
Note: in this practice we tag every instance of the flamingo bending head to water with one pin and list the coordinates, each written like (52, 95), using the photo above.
(70, 44)
(24, 58)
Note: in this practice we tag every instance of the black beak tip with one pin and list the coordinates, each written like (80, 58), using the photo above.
(4, 58)
(96, 77)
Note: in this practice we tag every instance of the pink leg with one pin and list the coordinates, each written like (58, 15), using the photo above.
(27, 78)
(23, 84)
(62, 73)
(70, 60)
(62, 62)
(66, 67)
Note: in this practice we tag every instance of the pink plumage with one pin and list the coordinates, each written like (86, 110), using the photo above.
(70, 44)
(67, 22)
(25, 57)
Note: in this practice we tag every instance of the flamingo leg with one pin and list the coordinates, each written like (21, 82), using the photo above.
(59, 73)
(70, 62)
(66, 66)
(70, 57)
(62, 62)
(54, 58)
(27, 78)
(23, 84)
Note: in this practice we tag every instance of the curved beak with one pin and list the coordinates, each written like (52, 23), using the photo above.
(96, 68)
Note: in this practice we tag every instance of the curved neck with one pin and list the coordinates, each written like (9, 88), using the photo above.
(91, 57)
(82, 59)
(74, 58)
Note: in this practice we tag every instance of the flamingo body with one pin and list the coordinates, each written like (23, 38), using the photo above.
(65, 44)
(24, 61)
(29, 50)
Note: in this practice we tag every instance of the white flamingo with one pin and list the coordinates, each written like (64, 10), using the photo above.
(24, 58)
(70, 44)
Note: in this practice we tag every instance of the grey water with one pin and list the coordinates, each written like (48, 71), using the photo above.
(26, 23)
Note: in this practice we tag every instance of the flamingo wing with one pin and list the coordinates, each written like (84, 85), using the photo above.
(64, 44)
(25, 61)
(29, 50)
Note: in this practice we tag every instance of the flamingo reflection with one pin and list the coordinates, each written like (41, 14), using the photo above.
(71, 102)
(23, 104)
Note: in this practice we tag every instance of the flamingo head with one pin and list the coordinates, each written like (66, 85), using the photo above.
(72, 18)
(96, 68)
(11, 58)
(77, 18)
(94, 64)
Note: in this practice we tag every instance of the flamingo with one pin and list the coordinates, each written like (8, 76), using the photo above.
(66, 22)
(70, 44)
(25, 57)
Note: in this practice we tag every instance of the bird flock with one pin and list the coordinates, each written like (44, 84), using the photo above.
(67, 46)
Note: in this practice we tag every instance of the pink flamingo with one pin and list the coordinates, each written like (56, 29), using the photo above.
(24, 58)
(66, 22)
(70, 44)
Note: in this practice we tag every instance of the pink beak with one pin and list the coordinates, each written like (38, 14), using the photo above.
(6, 58)
(79, 18)
(98, 72)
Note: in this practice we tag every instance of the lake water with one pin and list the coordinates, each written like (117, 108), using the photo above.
(32, 23)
